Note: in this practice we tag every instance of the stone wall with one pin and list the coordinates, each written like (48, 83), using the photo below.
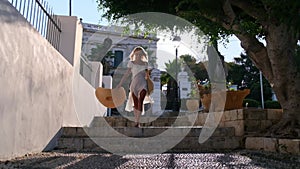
(246, 121)
(291, 146)
(260, 119)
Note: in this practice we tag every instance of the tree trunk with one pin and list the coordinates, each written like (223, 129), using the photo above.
(277, 62)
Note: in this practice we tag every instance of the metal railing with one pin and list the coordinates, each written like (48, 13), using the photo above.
(39, 14)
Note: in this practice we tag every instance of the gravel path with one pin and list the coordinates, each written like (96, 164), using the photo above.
(233, 159)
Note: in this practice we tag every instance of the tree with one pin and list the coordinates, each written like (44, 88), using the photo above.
(97, 55)
(171, 67)
(244, 70)
(101, 54)
(235, 73)
(189, 63)
(276, 21)
(196, 70)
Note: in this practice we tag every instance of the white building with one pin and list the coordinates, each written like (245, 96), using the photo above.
(121, 46)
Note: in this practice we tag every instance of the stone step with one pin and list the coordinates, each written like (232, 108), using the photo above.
(119, 121)
(85, 139)
(139, 132)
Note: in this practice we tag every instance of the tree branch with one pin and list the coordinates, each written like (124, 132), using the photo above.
(253, 11)
(229, 11)
(258, 54)
(255, 49)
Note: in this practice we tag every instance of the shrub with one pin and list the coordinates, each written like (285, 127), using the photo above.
(269, 104)
(251, 103)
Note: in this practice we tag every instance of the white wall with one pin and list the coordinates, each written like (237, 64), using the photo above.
(37, 85)
(85, 102)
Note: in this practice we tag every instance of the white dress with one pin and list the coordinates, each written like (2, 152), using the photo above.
(137, 84)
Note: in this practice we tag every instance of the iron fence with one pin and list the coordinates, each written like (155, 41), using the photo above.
(39, 14)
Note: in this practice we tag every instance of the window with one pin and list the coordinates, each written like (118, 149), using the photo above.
(118, 58)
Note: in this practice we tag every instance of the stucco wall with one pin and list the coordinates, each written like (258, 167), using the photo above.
(85, 102)
(37, 85)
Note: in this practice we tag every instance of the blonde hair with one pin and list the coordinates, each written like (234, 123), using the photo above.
(139, 48)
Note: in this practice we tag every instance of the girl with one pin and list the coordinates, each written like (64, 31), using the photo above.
(138, 66)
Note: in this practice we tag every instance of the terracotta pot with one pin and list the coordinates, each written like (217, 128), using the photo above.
(205, 100)
(192, 105)
(234, 99)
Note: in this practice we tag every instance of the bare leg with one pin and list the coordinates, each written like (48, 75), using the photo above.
(135, 110)
(138, 105)
(141, 99)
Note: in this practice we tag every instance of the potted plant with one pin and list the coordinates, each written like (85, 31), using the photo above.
(205, 95)
(192, 103)
(234, 98)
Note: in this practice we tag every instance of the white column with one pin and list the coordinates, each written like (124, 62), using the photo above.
(156, 106)
(185, 85)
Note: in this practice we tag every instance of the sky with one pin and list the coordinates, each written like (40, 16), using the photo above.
(87, 10)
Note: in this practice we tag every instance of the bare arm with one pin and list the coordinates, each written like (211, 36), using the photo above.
(147, 74)
(125, 76)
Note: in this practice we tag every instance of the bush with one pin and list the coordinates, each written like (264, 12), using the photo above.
(269, 104)
(251, 103)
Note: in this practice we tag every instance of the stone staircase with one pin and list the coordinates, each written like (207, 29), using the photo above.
(176, 131)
